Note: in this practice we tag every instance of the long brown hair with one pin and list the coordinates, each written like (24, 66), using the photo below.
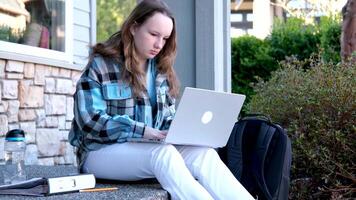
(120, 46)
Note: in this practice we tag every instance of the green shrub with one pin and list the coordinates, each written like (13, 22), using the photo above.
(249, 59)
(330, 33)
(318, 108)
(293, 38)
(9, 34)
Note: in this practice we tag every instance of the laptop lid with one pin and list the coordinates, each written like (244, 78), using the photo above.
(205, 118)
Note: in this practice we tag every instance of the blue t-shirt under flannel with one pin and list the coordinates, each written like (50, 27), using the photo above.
(151, 87)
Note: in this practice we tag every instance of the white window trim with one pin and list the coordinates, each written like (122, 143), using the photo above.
(26, 50)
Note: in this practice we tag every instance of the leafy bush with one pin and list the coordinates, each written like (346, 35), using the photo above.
(9, 34)
(293, 38)
(330, 33)
(252, 57)
(249, 59)
(318, 108)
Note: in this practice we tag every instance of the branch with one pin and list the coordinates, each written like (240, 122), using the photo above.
(283, 5)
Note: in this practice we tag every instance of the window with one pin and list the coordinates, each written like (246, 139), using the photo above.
(236, 17)
(249, 17)
(36, 27)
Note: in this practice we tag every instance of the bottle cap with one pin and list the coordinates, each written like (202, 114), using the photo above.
(15, 135)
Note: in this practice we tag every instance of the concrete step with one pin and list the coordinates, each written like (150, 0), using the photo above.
(132, 191)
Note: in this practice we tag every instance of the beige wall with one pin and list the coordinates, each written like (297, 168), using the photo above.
(38, 99)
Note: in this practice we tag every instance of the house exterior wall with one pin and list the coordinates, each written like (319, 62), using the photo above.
(38, 99)
(185, 62)
(84, 21)
(203, 58)
(36, 94)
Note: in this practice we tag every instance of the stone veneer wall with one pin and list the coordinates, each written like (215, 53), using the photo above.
(38, 99)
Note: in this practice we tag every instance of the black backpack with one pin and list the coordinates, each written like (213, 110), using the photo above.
(259, 154)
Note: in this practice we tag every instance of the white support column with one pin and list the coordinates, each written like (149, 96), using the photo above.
(227, 45)
(218, 46)
(213, 66)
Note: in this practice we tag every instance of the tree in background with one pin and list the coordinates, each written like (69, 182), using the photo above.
(110, 16)
(308, 9)
(348, 37)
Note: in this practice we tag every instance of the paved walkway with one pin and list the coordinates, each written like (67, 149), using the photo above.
(132, 191)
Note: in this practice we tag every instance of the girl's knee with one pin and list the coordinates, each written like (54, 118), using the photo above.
(212, 153)
(207, 152)
(165, 151)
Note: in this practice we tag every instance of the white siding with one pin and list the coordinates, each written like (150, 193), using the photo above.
(80, 48)
(80, 60)
(82, 29)
(81, 33)
(81, 17)
(82, 5)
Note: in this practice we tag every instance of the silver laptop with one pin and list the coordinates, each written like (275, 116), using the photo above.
(203, 118)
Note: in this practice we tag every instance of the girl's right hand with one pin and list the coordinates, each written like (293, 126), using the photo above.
(151, 133)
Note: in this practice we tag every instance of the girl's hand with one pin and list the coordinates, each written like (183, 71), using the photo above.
(151, 133)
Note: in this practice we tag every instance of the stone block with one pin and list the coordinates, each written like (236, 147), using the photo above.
(75, 77)
(55, 71)
(14, 76)
(5, 104)
(69, 156)
(14, 66)
(64, 86)
(14, 126)
(2, 106)
(48, 71)
(55, 104)
(68, 125)
(10, 89)
(61, 122)
(2, 68)
(30, 131)
(31, 155)
(3, 125)
(30, 96)
(48, 141)
(51, 122)
(69, 109)
(63, 148)
(13, 110)
(2, 141)
(64, 135)
(64, 73)
(40, 74)
(27, 114)
(50, 86)
(59, 160)
(41, 118)
(29, 70)
(46, 161)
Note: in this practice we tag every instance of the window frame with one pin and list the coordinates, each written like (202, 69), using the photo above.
(47, 54)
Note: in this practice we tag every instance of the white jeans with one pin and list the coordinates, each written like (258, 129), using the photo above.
(186, 172)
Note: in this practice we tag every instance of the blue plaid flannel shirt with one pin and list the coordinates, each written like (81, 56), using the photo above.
(105, 111)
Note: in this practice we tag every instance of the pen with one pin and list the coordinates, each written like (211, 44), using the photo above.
(99, 189)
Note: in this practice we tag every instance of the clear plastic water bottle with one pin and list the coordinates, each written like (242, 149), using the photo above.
(15, 147)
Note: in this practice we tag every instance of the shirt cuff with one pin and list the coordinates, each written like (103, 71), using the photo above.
(138, 130)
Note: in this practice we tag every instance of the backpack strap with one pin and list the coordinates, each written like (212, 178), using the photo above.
(260, 116)
(234, 150)
(263, 140)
